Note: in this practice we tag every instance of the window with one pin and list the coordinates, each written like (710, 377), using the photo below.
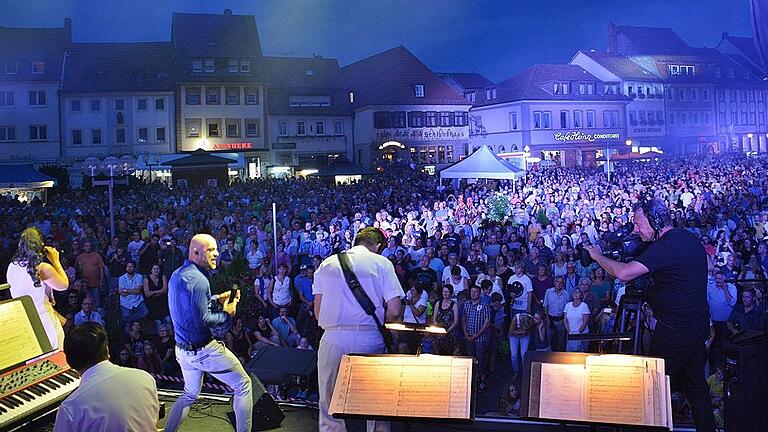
(212, 95)
(590, 88)
(640, 116)
(459, 118)
(160, 134)
(143, 135)
(445, 118)
(674, 70)
(681, 94)
(159, 104)
(708, 120)
(38, 133)
(193, 127)
(582, 88)
(695, 116)
(431, 119)
(705, 94)
(659, 117)
(614, 119)
(651, 118)
(233, 128)
(214, 128)
(513, 121)
(193, 95)
(120, 136)
(77, 136)
(6, 99)
(282, 128)
(563, 119)
(233, 66)
(490, 94)
(607, 118)
(209, 66)
(416, 119)
(197, 65)
(320, 126)
(591, 119)
(38, 67)
(7, 133)
(382, 120)
(36, 98)
(119, 104)
(693, 94)
(11, 68)
(120, 118)
(683, 118)
(338, 127)
(141, 104)
(252, 128)
(251, 95)
(232, 95)
(546, 120)
(731, 73)
(537, 119)
(566, 88)
(95, 105)
(75, 105)
(633, 118)
(398, 119)
(577, 119)
(686, 70)
(418, 90)
(471, 96)
(556, 88)
(718, 72)
(301, 128)
(245, 66)
(671, 118)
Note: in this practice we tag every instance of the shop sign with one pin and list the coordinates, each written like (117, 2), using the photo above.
(422, 134)
(743, 129)
(232, 146)
(646, 130)
(581, 136)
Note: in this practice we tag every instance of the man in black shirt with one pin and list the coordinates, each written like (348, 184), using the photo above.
(677, 263)
(424, 275)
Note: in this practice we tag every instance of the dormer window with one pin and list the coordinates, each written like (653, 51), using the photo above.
(245, 66)
(233, 66)
(197, 65)
(11, 68)
(590, 88)
(674, 70)
(209, 66)
(418, 90)
(490, 94)
(38, 67)
(309, 72)
(566, 88)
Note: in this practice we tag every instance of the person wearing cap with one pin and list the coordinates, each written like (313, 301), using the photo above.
(347, 327)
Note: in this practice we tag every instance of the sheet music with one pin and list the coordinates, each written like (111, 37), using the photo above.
(17, 335)
(404, 386)
(561, 391)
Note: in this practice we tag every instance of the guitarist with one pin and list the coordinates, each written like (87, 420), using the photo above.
(348, 328)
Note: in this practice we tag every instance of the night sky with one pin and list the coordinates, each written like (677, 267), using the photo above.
(496, 38)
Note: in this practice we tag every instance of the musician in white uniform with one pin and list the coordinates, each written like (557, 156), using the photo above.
(110, 398)
(348, 329)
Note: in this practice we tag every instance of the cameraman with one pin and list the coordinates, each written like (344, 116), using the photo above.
(677, 262)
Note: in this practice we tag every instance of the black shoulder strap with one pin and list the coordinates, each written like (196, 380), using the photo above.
(362, 297)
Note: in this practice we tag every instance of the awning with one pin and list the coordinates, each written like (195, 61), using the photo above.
(23, 177)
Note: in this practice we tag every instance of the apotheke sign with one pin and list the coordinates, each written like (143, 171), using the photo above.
(581, 136)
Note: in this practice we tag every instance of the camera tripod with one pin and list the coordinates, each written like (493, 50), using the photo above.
(631, 305)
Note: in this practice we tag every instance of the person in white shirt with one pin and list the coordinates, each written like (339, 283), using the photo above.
(576, 314)
(110, 398)
(347, 327)
(523, 301)
(415, 307)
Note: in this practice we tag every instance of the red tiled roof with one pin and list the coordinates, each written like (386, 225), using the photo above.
(388, 78)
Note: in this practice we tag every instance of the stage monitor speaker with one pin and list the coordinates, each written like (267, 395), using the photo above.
(274, 365)
(745, 383)
(266, 413)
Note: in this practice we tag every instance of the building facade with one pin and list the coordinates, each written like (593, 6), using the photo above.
(557, 113)
(310, 116)
(467, 84)
(117, 99)
(404, 113)
(31, 64)
(220, 99)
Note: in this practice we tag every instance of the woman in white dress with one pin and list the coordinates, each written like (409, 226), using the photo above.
(30, 274)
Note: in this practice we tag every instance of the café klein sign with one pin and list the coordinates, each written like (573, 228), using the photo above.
(581, 136)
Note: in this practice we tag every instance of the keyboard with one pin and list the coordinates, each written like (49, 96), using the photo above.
(35, 390)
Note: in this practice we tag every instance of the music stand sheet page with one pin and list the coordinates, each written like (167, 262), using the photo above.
(16, 335)
(424, 386)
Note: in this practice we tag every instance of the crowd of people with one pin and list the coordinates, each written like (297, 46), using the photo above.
(500, 286)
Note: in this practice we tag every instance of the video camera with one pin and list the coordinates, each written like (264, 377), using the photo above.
(623, 244)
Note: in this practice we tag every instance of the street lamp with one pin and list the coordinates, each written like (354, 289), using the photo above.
(111, 167)
(527, 153)
(628, 142)
(150, 161)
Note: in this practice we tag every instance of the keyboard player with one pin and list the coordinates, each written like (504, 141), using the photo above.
(110, 398)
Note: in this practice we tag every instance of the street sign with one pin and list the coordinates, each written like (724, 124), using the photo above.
(122, 181)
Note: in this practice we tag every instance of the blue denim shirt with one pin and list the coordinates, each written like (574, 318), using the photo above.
(191, 305)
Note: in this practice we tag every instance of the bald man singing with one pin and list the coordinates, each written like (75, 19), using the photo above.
(193, 311)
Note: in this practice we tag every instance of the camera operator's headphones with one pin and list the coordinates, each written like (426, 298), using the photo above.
(656, 219)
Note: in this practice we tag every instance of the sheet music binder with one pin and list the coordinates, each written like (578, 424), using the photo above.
(539, 401)
(399, 379)
(26, 320)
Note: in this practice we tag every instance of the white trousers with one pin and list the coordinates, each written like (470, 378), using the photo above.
(223, 365)
(333, 345)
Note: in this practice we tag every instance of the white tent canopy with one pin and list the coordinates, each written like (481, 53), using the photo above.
(482, 164)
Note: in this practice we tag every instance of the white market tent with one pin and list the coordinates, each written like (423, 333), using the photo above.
(482, 164)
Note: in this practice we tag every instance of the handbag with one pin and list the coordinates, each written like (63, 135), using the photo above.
(365, 302)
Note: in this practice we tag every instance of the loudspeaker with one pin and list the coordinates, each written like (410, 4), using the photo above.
(266, 413)
(745, 383)
(275, 365)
